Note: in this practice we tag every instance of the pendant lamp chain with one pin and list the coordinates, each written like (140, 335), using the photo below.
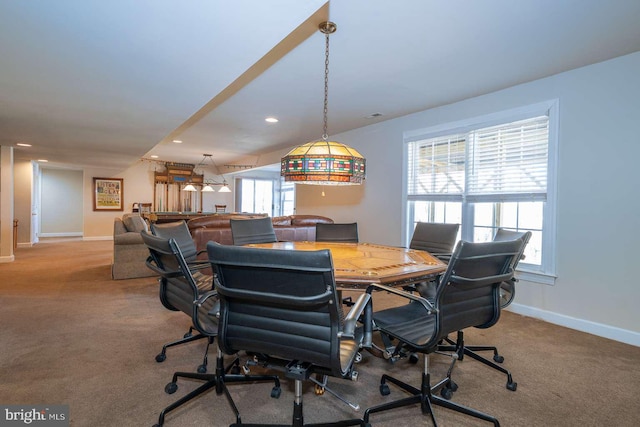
(326, 32)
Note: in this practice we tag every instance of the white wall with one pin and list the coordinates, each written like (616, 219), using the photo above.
(61, 203)
(598, 206)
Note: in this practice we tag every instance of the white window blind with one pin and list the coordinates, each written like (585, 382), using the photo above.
(509, 162)
(504, 162)
(436, 166)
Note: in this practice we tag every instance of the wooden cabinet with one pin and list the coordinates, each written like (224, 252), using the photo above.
(168, 192)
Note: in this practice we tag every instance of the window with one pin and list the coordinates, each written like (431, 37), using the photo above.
(492, 172)
(256, 196)
(287, 197)
(264, 195)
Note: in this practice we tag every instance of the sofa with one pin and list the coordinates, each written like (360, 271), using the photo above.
(287, 228)
(129, 251)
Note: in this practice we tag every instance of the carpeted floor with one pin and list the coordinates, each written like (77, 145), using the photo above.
(71, 335)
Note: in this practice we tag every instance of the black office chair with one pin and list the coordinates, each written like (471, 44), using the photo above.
(508, 289)
(281, 307)
(254, 230)
(467, 295)
(459, 348)
(180, 233)
(436, 238)
(181, 292)
(340, 233)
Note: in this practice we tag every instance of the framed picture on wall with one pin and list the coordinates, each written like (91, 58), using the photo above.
(108, 194)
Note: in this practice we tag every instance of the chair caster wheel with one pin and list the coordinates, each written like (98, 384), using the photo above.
(384, 390)
(358, 358)
(512, 386)
(497, 358)
(202, 369)
(446, 393)
(453, 386)
(161, 357)
(319, 390)
(414, 358)
(275, 392)
(171, 388)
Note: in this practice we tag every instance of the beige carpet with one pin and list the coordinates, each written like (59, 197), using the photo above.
(71, 335)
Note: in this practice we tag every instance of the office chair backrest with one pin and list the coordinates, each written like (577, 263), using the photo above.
(178, 288)
(435, 238)
(342, 233)
(277, 302)
(255, 230)
(179, 232)
(503, 235)
(468, 292)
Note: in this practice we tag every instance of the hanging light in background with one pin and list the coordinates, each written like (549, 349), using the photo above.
(324, 162)
(209, 184)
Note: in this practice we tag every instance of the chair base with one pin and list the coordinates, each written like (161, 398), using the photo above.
(425, 398)
(298, 418)
(461, 350)
(188, 337)
(219, 381)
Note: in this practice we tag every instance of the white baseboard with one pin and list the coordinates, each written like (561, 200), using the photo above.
(68, 234)
(97, 238)
(10, 258)
(599, 329)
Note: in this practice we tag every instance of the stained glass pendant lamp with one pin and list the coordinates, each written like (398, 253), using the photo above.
(324, 162)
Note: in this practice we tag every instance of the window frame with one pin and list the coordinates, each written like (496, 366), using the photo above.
(546, 273)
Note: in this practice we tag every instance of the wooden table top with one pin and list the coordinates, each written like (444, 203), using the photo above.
(356, 265)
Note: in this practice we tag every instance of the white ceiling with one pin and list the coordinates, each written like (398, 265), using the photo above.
(103, 83)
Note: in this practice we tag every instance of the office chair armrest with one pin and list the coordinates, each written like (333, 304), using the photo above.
(362, 305)
(204, 297)
(215, 311)
(152, 265)
(425, 303)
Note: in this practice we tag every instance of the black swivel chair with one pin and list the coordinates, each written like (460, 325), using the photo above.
(180, 233)
(459, 347)
(340, 233)
(467, 295)
(508, 289)
(255, 230)
(436, 238)
(181, 293)
(281, 306)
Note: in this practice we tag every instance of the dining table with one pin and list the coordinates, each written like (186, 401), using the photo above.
(357, 265)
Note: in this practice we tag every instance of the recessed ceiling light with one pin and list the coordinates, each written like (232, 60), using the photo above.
(153, 156)
(43, 160)
(177, 141)
(23, 144)
(271, 120)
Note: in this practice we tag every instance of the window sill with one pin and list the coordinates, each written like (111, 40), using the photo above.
(536, 277)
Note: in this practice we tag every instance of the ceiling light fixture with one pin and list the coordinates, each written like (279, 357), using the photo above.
(177, 141)
(208, 184)
(324, 162)
(271, 120)
(23, 144)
